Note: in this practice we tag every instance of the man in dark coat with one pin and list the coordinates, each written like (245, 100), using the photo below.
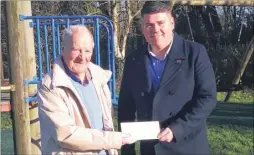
(170, 80)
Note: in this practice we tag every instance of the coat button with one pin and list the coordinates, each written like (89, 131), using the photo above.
(172, 114)
(170, 93)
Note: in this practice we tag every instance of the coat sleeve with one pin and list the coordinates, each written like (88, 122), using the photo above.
(196, 111)
(55, 119)
(126, 105)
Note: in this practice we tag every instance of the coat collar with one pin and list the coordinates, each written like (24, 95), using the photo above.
(175, 59)
(60, 78)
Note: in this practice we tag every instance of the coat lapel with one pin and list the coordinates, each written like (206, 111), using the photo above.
(60, 79)
(144, 77)
(148, 77)
(174, 62)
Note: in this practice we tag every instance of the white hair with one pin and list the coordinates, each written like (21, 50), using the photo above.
(68, 32)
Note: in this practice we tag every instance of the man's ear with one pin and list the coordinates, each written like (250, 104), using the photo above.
(172, 21)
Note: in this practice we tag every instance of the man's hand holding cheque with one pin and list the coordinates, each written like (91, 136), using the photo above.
(146, 131)
(127, 139)
(166, 135)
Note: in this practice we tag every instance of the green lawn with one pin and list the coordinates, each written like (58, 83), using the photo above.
(230, 127)
(230, 139)
(6, 142)
(238, 97)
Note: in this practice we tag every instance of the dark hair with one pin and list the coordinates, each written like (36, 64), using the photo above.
(155, 7)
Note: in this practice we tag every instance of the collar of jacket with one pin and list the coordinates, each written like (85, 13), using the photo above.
(177, 51)
(175, 58)
(149, 49)
(74, 77)
(60, 77)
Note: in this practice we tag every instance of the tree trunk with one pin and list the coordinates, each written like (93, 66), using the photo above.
(128, 24)
(208, 25)
(2, 65)
(115, 19)
(127, 28)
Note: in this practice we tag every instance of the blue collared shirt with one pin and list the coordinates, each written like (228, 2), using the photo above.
(156, 66)
(89, 99)
(71, 74)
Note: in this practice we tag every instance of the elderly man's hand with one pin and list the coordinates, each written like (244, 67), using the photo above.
(127, 139)
(166, 135)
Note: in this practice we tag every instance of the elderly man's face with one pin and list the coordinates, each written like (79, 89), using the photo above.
(158, 29)
(79, 52)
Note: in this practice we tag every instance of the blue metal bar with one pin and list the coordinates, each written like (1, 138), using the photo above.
(89, 23)
(38, 39)
(82, 21)
(68, 23)
(110, 42)
(108, 53)
(97, 42)
(114, 102)
(53, 39)
(27, 82)
(113, 62)
(58, 40)
(22, 17)
(108, 49)
(31, 24)
(95, 47)
(31, 99)
(46, 47)
(59, 23)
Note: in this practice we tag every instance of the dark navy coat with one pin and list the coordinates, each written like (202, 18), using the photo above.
(185, 98)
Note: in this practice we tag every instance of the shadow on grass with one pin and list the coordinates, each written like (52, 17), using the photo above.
(233, 114)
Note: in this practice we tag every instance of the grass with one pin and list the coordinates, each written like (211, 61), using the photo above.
(230, 127)
(6, 134)
(230, 139)
(6, 123)
(7, 142)
(238, 96)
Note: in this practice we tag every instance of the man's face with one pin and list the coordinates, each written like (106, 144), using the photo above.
(79, 52)
(158, 29)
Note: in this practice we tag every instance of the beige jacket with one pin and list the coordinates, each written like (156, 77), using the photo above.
(65, 125)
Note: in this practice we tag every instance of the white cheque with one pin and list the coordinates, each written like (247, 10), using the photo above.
(141, 130)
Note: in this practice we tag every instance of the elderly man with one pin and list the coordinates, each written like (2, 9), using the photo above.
(74, 102)
(170, 80)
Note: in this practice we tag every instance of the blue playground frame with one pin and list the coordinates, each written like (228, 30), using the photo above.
(43, 24)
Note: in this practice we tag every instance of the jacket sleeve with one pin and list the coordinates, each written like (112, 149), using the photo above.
(56, 120)
(196, 111)
(126, 105)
